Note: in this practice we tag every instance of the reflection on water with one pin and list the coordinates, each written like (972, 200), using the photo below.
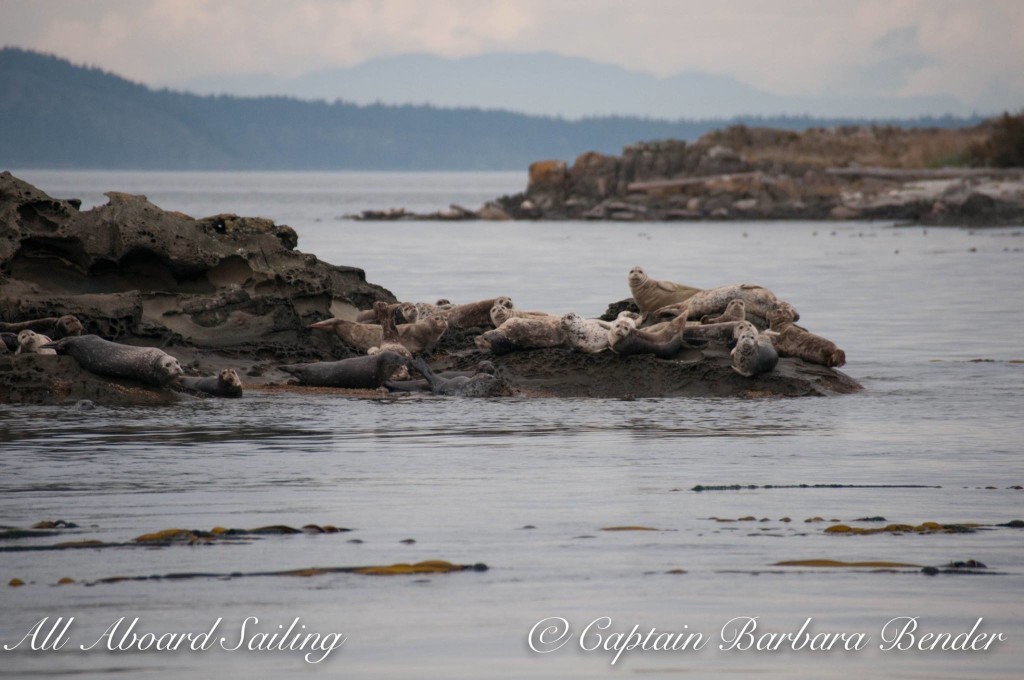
(463, 479)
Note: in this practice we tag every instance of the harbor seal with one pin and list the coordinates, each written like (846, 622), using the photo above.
(758, 301)
(754, 352)
(479, 385)
(423, 386)
(9, 341)
(144, 364)
(520, 334)
(626, 340)
(367, 373)
(30, 342)
(650, 294)
(404, 312)
(736, 310)
(225, 384)
(472, 315)
(585, 335)
(504, 309)
(389, 341)
(791, 340)
(361, 336)
(51, 326)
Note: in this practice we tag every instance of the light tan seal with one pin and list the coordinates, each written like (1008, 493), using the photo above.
(472, 315)
(793, 341)
(360, 336)
(30, 342)
(758, 301)
(736, 310)
(405, 312)
(504, 309)
(650, 294)
(51, 326)
(521, 334)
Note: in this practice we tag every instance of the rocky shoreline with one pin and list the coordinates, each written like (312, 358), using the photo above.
(857, 173)
(234, 292)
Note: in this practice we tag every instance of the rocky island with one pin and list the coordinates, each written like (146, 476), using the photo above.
(965, 177)
(230, 292)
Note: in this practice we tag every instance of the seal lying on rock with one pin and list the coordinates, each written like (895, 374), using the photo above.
(651, 294)
(423, 386)
(503, 309)
(758, 301)
(585, 335)
(225, 384)
(416, 337)
(471, 315)
(479, 385)
(145, 364)
(52, 326)
(754, 352)
(365, 373)
(625, 340)
(519, 334)
(30, 342)
(793, 341)
(404, 312)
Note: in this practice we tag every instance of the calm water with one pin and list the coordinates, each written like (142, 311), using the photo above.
(911, 307)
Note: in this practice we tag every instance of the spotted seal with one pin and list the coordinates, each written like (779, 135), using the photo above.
(51, 326)
(30, 342)
(650, 294)
(479, 385)
(225, 384)
(625, 340)
(519, 334)
(736, 310)
(361, 336)
(504, 309)
(754, 352)
(404, 312)
(585, 335)
(791, 340)
(368, 373)
(758, 301)
(144, 364)
(423, 386)
(389, 341)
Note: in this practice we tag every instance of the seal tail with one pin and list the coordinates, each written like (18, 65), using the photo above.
(420, 365)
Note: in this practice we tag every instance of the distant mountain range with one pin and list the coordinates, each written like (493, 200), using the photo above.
(54, 114)
(543, 83)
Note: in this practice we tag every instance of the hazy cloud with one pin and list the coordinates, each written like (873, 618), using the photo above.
(972, 50)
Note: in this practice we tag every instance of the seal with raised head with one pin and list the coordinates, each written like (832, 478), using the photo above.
(504, 309)
(754, 352)
(144, 364)
(365, 373)
(585, 335)
(389, 341)
(224, 384)
(758, 301)
(479, 385)
(520, 334)
(30, 342)
(650, 294)
(736, 310)
(51, 326)
(791, 340)
(625, 340)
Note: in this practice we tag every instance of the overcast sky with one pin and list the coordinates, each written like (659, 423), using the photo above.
(970, 49)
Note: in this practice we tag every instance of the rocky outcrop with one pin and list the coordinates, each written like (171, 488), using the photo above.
(138, 274)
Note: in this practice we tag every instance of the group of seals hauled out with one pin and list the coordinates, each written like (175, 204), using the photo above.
(675, 323)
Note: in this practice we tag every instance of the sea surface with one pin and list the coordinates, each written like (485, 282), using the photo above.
(931, 321)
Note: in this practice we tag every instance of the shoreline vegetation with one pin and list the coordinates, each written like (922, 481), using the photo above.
(234, 293)
(945, 177)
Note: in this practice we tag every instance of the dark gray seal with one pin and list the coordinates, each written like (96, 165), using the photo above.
(359, 373)
(8, 343)
(225, 384)
(480, 385)
(145, 364)
(625, 340)
(424, 386)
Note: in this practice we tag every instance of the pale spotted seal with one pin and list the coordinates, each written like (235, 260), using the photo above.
(479, 385)
(366, 373)
(519, 334)
(736, 310)
(793, 341)
(758, 301)
(650, 294)
(51, 326)
(30, 342)
(754, 352)
(102, 357)
(625, 340)
(585, 335)
(225, 384)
